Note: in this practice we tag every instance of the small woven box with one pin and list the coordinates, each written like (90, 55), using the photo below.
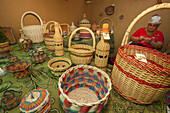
(10, 100)
(20, 69)
(37, 54)
(36, 101)
(24, 44)
(81, 80)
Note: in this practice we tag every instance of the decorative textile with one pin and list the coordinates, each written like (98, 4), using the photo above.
(40, 76)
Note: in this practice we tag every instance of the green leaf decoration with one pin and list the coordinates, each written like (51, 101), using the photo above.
(5, 86)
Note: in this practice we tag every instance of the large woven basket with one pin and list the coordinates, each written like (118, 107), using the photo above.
(48, 36)
(33, 32)
(137, 81)
(91, 79)
(81, 53)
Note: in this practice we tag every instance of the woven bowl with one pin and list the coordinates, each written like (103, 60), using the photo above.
(58, 65)
(82, 79)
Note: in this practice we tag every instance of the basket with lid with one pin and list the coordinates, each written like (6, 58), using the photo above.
(84, 88)
(36, 101)
(37, 54)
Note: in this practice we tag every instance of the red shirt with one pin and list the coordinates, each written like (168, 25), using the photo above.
(157, 36)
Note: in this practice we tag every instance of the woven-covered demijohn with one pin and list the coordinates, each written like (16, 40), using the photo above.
(102, 51)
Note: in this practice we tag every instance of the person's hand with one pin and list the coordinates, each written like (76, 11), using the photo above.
(141, 38)
(148, 40)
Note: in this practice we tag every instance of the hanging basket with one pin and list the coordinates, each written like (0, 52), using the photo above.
(79, 87)
(58, 65)
(48, 36)
(137, 81)
(33, 32)
(81, 53)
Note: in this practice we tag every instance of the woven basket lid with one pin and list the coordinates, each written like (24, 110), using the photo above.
(22, 41)
(84, 20)
(35, 100)
(35, 51)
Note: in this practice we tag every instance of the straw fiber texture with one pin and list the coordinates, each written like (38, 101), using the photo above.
(138, 81)
(87, 77)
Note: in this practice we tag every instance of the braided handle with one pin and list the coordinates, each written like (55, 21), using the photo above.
(82, 28)
(153, 8)
(50, 26)
(30, 12)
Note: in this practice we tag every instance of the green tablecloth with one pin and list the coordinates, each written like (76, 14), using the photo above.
(43, 78)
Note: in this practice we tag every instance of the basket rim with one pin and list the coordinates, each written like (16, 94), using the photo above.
(91, 67)
(144, 65)
(59, 58)
(83, 46)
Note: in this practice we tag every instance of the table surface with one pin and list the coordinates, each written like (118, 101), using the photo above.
(45, 79)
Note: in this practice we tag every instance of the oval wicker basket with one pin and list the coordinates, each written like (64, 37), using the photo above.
(33, 32)
(84, 76)
(137, 81)
(58, 65)
(81, 53)
(48, 37)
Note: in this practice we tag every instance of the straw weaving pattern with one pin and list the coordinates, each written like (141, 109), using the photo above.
(84, 76)
(138, 81)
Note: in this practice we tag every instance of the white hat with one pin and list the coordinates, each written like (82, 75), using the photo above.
(155, 19)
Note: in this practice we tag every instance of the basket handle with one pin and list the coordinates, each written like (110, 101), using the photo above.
(82, 28)
(50, 26)
(30, 12)
(105, 18)
(150, 9)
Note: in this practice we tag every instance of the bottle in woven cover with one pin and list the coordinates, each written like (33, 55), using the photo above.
(58, 41)
(102, 51)
(85, 23)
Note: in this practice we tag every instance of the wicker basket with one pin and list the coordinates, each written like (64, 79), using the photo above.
(89, 78)
(81, 53)
(11, 100)
(48, 36)
(33, 32)
(137, 81)
(36, 101)
(20, 69)
(37, 54)
(4, 49)
(58, 65)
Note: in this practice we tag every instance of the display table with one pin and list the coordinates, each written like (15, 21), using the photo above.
(40, 76)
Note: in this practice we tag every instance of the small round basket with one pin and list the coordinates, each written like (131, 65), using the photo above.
(20, 69)
(10, 100)
(84, 88)
(36, 101)
(58, 65)
(81, 53)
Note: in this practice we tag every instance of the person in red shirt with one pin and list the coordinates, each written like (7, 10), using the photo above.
(149, 37)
